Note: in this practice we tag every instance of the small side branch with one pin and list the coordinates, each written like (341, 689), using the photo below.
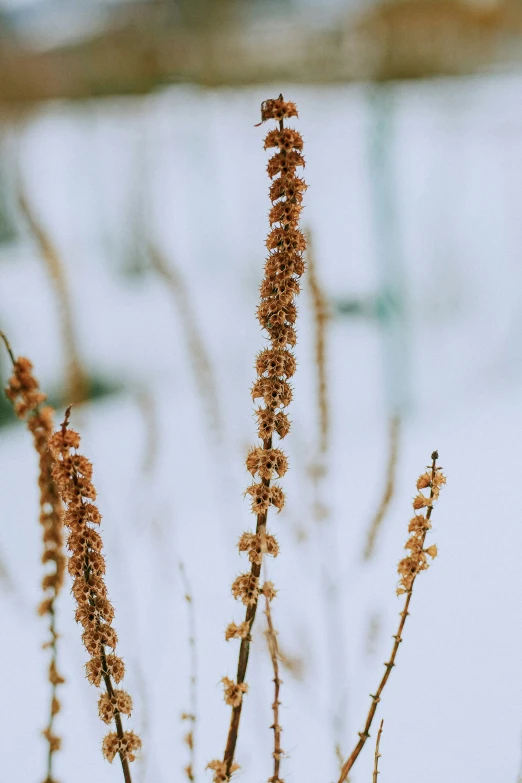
(377, 754)
(271, 637)
(191, 716)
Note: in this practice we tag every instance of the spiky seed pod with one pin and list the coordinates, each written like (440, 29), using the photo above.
(245, 588)
(286, 139)
(94, 611)
(234, 691)
(95, 669)
(221, 772)
(234, 631)
(256, 545)
(277, 109)
(275, 364)
(23, 391)
(126, 746)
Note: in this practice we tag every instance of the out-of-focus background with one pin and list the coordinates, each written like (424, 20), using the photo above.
(133, 203)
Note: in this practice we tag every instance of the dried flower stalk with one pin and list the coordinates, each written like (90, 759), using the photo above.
(377, 754)
(86, 565)
(23, 391)
(191, 717)
(409, 568)
(321, 316)
(273, 648)
(389, 488)
(202, 365)
(77, 382)
(275, 365)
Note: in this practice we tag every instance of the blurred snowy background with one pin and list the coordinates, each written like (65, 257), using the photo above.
(415, 208)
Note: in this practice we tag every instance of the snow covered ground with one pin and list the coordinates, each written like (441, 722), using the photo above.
(185, 171)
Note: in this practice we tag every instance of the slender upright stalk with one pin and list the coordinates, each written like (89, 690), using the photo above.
(191, 716)
(409, 569)
(276, 726)
(275, 364)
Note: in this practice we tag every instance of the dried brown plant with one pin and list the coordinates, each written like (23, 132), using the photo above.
(322, 315)
(77, 383)
(23, 391)
(271, 636)
(199, 357)
(389, 487)
(191, 717)
(86, 565)
(377, 754)
(409, 568)
(275, 365)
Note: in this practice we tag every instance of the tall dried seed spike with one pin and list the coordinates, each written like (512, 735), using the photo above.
(72, 473)
(275, 364)
(23, 391)
(409, 568)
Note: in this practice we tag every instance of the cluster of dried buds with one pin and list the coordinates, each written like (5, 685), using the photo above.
(419, 525)
(86, 565)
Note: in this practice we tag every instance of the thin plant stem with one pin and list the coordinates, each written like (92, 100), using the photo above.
(389, 488)
(377, 754)
(77, 381)
(8, 346)
(321, 316)
(202, 365)
(192, 715)
(276, 726)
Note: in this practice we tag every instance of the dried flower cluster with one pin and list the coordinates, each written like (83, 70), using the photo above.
(409, 568)
(86, 565)
(24, 392)
(419, 525)
(275, 365)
